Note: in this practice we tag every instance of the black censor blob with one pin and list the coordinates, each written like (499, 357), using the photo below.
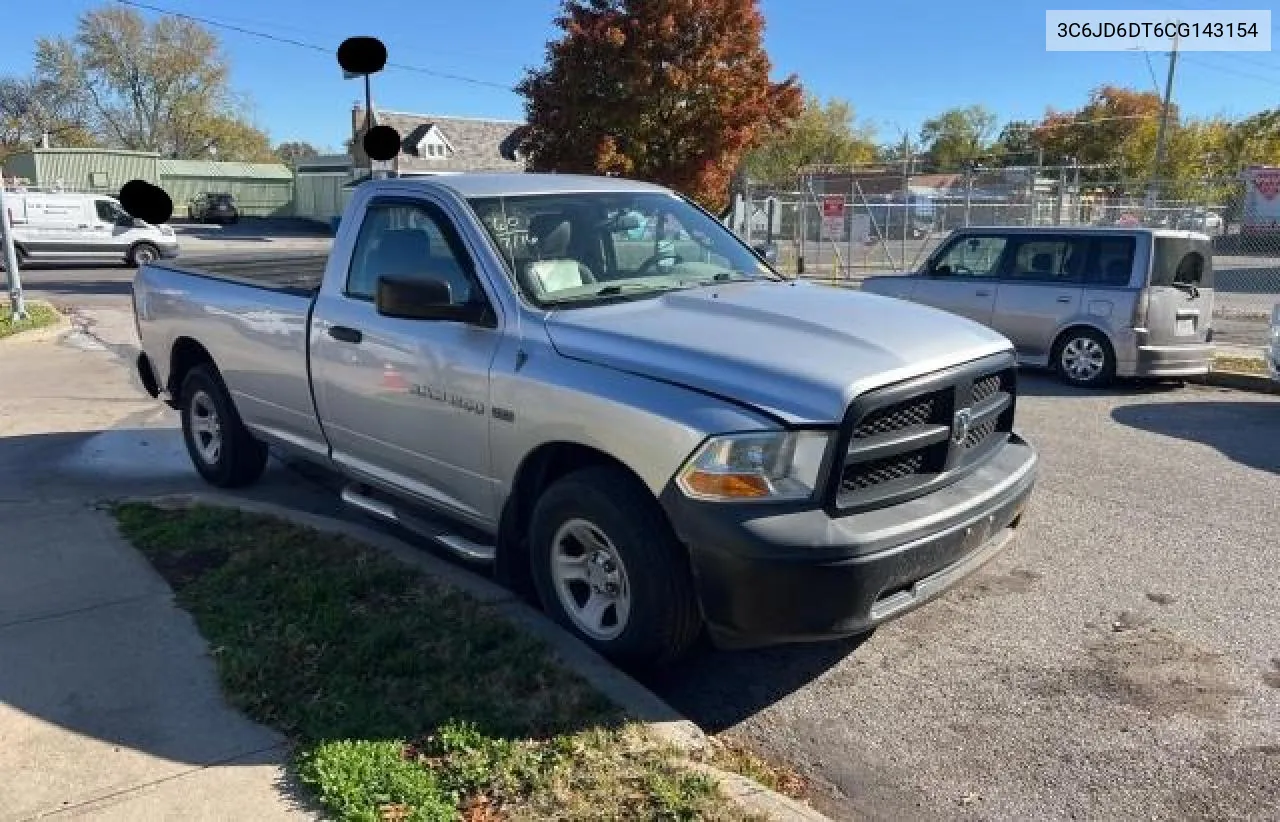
(144, 201)
(381, 143)
(362, 55)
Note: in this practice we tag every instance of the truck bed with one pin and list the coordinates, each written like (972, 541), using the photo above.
(297, 274)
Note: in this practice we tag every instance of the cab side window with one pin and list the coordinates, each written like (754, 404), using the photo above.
(106, 210)
(972, 256)
(410, 241)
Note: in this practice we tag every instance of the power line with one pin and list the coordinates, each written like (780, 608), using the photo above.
(1087, 122)
(443, 75)
(1230, 70)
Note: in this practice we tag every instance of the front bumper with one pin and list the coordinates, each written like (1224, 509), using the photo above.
(767, 576)
(170, 250)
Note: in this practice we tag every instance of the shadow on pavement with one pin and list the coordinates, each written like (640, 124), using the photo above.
(1241, 431)
(719, 689)
(1043, 383)
(82, 287)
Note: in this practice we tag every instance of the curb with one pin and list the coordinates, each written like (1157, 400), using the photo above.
(1257, 383)
(666, 724)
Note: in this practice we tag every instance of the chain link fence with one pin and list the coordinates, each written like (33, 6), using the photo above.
(843, 224)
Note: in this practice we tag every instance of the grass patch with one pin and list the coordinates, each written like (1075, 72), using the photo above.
(730, 755)
(39, 315)
(406, 700)
(1240, 365)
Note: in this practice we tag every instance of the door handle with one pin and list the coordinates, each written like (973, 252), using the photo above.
(984, 293)
(1064, 299)
(344, 334)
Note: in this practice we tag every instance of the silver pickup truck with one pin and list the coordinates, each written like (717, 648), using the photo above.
(593, 385)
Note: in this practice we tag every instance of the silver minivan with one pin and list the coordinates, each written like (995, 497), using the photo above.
(1091, 303)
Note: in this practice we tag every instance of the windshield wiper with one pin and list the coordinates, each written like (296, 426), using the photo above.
(618, 288)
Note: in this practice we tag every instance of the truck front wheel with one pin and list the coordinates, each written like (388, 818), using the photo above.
(608, 567)
(221, 448)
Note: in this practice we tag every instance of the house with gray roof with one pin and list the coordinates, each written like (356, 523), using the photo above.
(452, 144)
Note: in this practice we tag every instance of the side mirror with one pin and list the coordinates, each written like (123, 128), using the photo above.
(767, 252)
(424, 300)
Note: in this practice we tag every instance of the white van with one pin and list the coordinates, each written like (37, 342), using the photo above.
(58, 226)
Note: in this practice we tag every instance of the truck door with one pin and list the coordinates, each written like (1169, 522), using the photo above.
(406, 402)
(112, 233)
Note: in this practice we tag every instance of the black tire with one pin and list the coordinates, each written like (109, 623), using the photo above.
(1084, 358)
(240, 459)
(664, 620)
(143, 253)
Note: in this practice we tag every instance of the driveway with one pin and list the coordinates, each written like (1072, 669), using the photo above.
(1122, 659)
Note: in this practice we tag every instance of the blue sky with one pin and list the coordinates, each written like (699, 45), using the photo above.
(898, 62)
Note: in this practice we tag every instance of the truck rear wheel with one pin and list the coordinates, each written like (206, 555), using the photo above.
(608, 567)
(221, 448)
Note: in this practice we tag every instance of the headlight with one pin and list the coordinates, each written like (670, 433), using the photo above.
(775, 465)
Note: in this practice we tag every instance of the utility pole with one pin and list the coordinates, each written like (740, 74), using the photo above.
(906, 192)
(968, 190)
(1164, 127)
(16, 301)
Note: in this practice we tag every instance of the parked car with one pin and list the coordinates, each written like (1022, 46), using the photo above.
(1092, 303)
(54, 226)
(1273, 351)
(1202, 220)
(650, 440)
(213, 208)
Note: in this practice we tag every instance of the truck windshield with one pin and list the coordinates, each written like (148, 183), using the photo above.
(570, 249)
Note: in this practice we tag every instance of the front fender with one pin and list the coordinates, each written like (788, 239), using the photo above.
(650, 426)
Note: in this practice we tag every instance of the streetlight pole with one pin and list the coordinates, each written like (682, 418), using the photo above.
(16, 300)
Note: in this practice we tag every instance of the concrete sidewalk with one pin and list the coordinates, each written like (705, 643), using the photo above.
(109, 702)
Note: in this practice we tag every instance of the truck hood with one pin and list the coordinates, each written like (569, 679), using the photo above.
(798, 351)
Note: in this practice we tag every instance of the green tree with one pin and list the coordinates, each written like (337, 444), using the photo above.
(151, 87)
(291, 152)
(1117, 127)
(957, 136)
(822, 134)
(675, 92)
(1252, 141)
(31, 110)
(1014, 146)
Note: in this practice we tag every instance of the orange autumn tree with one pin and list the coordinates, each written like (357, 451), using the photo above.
(671, 91)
